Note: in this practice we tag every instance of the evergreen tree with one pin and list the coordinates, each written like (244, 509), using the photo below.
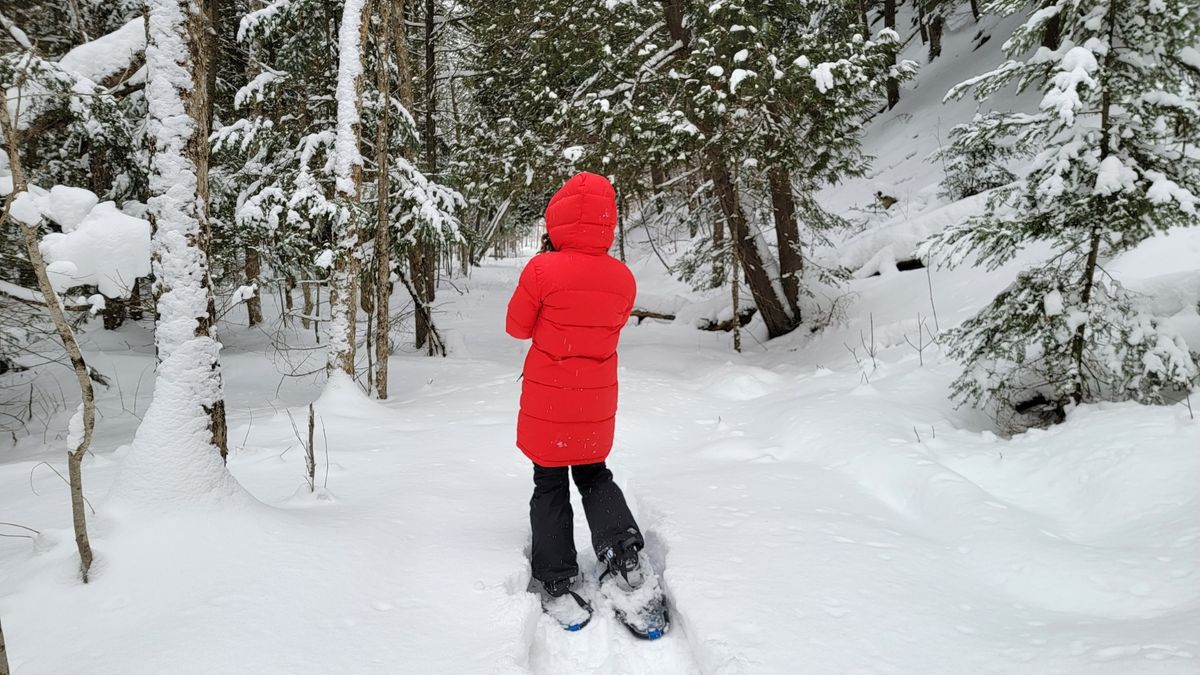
(1113, 160)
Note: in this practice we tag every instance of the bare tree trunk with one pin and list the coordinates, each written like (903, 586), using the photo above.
(3, 653)
(253, 268)
(935, 35)
(116, 310)
(87, 406)
(306, 309)
(921, 20)
(621, 228)
(422, 263)
(736, 290)
(787, 233)
(774, 314)
(383, 257)
(201, 39)
(975, 10)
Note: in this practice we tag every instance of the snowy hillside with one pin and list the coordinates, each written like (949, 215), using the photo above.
(815, 503)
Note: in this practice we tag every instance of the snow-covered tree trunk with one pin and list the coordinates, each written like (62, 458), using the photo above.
(348, 171)
(178, 453)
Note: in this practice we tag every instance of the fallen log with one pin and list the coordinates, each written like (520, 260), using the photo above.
(643, 314)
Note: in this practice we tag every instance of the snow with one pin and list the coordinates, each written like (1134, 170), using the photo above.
(822, 75)
(737, 76)
(68, 206)
(1112, 176)
(346, 152)
(811, 509)
(1052, 304)
(107, 55)
(794, 510)
(107, 249)
(1075, 69)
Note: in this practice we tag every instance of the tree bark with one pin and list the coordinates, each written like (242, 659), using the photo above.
(116, 310)
(383, 257)
(935, 36)
(201, 44)
(787, 234)
(3, 653)
(87, 404)
(774, 314)
(253, 268)
(893, 85)
(422, 259)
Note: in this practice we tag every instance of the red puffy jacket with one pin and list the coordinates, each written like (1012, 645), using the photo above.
(573, 302)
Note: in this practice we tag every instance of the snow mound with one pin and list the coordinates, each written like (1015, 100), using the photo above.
(107, 249)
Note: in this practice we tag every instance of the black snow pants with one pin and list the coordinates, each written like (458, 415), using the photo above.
(550, 514)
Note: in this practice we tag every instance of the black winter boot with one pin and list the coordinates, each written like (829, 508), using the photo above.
(623, 562)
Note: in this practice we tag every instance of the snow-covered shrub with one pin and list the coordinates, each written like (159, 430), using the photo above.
(973, 163)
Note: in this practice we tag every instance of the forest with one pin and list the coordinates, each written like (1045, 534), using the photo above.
(916, 331)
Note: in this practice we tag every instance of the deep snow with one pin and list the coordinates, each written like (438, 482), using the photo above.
(805, 519)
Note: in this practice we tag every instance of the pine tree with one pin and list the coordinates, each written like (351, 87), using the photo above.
(1112, 161)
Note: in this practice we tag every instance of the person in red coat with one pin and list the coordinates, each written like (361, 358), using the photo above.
(573, 300)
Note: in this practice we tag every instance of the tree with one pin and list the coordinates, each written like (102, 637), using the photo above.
(179, 449)
(18, 206)
(1113, 161)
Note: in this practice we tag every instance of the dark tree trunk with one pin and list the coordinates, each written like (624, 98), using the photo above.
(253, 268)
(774, 314)
(1052, 35)
(787, 233)
(893, 85)
(116, 310)
(935, 36)
(422, 260)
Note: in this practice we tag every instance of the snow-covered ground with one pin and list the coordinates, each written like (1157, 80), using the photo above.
(813, 507)
(810, 514)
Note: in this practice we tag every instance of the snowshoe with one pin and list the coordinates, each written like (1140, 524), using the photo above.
(564, 605)
(632, 587)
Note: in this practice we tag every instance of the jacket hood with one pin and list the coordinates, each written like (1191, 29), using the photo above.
(581, 216)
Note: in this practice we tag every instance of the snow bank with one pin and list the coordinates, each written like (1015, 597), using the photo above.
(878, 249)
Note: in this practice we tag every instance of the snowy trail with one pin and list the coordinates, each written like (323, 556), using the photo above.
(604, 645)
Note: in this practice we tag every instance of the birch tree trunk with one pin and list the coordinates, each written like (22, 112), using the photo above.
(85, 417)
(343, 282)
(178, 453)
